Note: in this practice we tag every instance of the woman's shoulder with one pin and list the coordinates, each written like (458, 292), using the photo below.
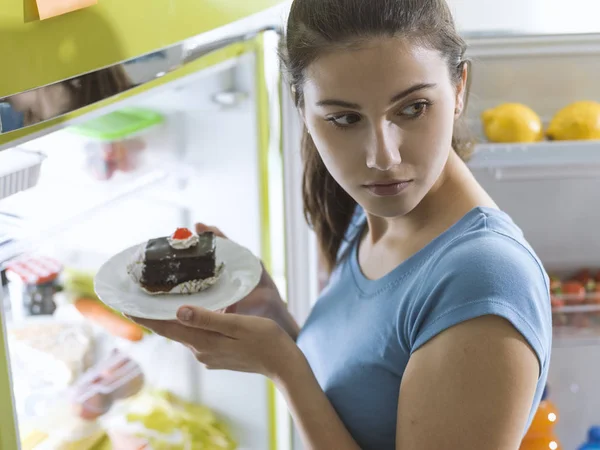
(488, 267)
(490, 241)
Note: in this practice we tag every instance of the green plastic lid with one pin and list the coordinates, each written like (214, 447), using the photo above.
(118, 125)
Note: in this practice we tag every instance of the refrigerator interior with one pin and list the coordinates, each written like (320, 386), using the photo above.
(550, 190)
(201, 165)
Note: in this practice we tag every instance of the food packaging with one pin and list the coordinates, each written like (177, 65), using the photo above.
(116, 378)
(157, 419)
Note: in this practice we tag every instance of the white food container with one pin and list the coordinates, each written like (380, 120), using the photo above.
(19, 170)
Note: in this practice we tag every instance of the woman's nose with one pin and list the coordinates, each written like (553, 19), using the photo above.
(384, 149)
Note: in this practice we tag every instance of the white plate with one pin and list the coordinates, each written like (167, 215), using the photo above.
(117, 290)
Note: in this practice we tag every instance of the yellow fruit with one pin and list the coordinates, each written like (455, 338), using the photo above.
(577, 121)
(512, 122)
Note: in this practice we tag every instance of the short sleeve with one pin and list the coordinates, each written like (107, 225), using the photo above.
(485, 273)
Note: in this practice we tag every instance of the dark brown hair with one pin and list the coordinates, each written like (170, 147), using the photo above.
(81, 91)
(318, 26)
(95, 86)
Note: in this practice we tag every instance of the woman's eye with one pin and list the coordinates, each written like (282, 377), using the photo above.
(344, 120)
(415, 110)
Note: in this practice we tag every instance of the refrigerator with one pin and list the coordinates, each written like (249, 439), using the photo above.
(550, 190)
(202, 126)
(223, 149)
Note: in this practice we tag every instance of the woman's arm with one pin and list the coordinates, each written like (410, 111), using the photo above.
(469, 388)
(315, 417)
(282, 316)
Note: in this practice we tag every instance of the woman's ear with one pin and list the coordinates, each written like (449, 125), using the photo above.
(462, 90)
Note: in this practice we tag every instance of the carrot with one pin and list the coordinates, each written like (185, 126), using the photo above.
(111, 322)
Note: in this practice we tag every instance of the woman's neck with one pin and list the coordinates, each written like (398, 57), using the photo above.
(453, 195)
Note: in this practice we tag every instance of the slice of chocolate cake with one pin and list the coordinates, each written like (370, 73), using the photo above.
(183, 263)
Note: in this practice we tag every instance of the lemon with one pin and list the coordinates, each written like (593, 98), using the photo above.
(577, 121)
(512, 122)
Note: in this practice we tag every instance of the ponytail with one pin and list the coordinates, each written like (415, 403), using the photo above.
(327, 207)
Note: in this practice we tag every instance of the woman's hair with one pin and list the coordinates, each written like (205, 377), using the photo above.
(54, 100)
(319, 26)
(95, 86)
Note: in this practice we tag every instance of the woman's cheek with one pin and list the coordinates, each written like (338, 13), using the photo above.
(329, 143)
(342, 164)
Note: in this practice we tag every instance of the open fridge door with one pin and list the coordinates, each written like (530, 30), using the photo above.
(213, 155)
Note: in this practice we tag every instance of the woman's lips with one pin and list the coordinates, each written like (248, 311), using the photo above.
(387, 188)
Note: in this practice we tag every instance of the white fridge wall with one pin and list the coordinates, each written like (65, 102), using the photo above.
(573, 385)
(526, 16)
(217, 147)
(494, 16)
(557, 216)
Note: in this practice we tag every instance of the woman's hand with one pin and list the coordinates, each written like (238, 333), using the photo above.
(231, 341)
(264, 301)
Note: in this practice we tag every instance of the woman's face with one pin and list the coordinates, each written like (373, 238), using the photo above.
(382, 119)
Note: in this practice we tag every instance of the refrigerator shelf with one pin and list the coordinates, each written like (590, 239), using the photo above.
(547, 154)
(45, 212)
(576, 325)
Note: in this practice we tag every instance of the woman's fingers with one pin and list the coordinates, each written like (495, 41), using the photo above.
(202, 228)
(170, 329)
(201, 340)
(229, 325)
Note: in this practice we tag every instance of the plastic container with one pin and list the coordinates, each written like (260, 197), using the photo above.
(542, 443)
(545, 418)
(117, 141)
(47, 357)
(19, 170)
(116, 378)
(593, 442)
(540, 435)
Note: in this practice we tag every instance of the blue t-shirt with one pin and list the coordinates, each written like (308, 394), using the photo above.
(360, 334)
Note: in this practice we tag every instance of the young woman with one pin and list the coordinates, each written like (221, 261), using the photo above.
(434, 331)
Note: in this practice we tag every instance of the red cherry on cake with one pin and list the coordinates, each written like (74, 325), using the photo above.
(182, 233)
